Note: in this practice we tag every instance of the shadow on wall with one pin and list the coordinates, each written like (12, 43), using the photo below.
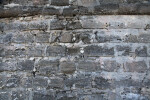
(4, 1)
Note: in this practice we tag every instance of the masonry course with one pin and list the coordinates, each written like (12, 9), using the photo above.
(74, 50)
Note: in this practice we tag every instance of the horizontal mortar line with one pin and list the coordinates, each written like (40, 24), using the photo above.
(43, 16)
(59, 57)
(117, 30)
(110, 43)
(142, 14)
(100, 29)
(91, 29)
(114, 15)
(16, 71)
(109, 56)
(76, 44)
(84, 29)
(74, 56)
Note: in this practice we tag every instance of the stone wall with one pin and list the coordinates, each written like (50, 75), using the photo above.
(74, 50)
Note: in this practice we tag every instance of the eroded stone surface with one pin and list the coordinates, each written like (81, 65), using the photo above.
(74, 50)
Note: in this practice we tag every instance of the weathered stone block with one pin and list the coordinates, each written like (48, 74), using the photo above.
(56, 83)
(91, 23)
(9, 65)
(144, 8)
(83, 10)
(87, 3)
(2, 80)
(135, 96)
(20, 95)
(67, 67)
(66, 38)
(123, 50)
(146, 81)
(2, 52)
(136, 66)
(94, 50)
(101, 38)
(7, 38)
(73, 25)
(46, 62)
(4, 96)
(113, 96)
(19, 38)
(106, 8)
(81, 81)
(110, 66)
(40, 2)
(15, 26)
(26, 65)
(97, 96)
(86, 38)
(125, 83)
(144, 38)
(57, 25)
(50, 11)
(21, 2)
(47, 67)
(40, 82)
(42, 37)
(67, 98)
(42, 95)
(73, 51)
(60, 2)
(54, 36)
(124, 22)
(1, 38)
(131, 38)
(2, 25)
(116, 25)
(29, 38)
(35, 51)
(13, 81)
(10, 51)
(55, 51)
(112, 1)
(88, 66)
(125, 8)
(20, 52)
(136, 1)
(10, 12)
(141, 51)
(101, 83)
(26, 82)
(71, 11)
(38, 25)
(31, 10)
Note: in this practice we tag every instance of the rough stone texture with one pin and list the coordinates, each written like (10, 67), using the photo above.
(55, 51)
(74, 50)
(60, 2)
(26, 65)
(66, 38)
(98, 51)
(88, 66)
(136, 66)
(47, 67)
(67, 67)
(110, 66)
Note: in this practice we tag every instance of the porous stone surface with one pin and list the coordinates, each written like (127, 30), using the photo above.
(74, 50)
